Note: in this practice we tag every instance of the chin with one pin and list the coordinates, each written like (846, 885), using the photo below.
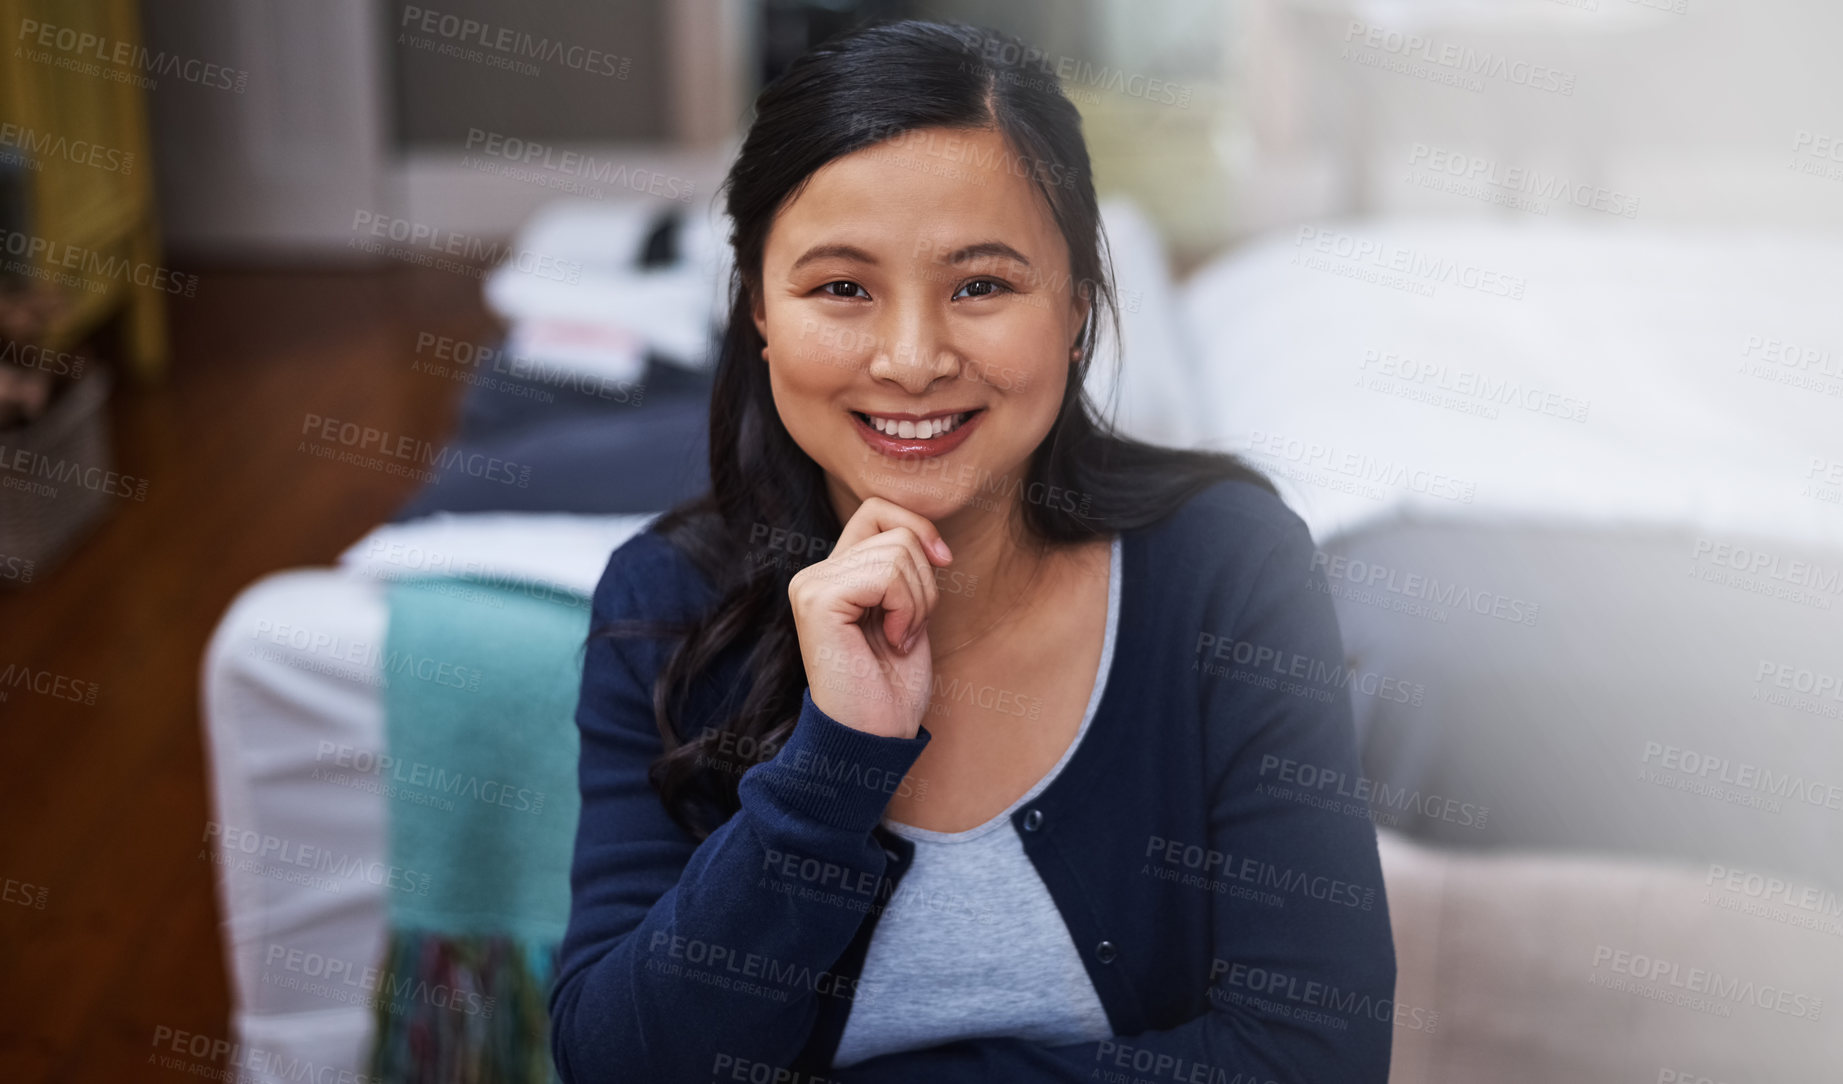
(923, 492)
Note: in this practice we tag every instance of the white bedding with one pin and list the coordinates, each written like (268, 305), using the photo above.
(292, 717)
(1314, 349)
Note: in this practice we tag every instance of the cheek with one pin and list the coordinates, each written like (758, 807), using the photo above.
(1028, 368)
(805, 388)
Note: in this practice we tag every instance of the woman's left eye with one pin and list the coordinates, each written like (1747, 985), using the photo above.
(982, 288)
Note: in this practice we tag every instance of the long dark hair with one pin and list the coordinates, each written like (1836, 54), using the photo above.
(851, 92)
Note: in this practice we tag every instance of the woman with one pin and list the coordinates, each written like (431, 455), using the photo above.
(950, 736)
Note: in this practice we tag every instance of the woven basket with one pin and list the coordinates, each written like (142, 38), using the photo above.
(55, 482)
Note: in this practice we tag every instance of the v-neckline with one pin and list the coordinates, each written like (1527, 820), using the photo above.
(1097, 696)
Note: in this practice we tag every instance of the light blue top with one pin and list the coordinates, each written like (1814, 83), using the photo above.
(970, 945)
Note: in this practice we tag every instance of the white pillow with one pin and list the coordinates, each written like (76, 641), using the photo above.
(1156, 384)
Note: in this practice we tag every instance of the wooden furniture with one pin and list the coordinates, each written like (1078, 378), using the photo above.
(76, 115)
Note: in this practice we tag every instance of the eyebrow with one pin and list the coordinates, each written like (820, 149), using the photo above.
(957, 256)
(830, 252)
(987, 248)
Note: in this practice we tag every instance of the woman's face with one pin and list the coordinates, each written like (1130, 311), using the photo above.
(921, 280)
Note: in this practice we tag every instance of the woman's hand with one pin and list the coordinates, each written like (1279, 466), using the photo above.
(854, 611)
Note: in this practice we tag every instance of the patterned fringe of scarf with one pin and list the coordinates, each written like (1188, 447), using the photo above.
(463, 1010)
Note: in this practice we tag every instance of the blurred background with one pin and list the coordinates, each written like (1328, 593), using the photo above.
(1533, 308)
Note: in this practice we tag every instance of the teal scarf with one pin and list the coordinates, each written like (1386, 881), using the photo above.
(479, 722)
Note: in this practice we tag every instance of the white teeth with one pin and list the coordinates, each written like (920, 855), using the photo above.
(911, 430)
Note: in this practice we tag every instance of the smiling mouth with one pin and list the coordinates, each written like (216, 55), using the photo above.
(925, 429)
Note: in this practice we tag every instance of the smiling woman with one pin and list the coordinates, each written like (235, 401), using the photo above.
(777, 864)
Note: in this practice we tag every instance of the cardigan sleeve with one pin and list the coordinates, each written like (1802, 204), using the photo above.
(681, 957)
(1295, 991)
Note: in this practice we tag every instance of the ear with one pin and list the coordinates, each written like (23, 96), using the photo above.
(758, 313)
(1079, 314)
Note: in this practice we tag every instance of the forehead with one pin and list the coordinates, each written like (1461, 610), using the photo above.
(921, 191)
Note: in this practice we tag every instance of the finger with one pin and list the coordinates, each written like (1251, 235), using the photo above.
(876, 515)
(901, 602)
(900, 597)
(928, 589)
(875, 576)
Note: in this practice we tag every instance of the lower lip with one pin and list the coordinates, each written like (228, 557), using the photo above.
(911, 448)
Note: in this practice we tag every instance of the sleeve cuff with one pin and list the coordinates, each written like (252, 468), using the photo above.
(833, 773)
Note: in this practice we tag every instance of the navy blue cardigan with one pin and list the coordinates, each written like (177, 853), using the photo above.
(1232, 919)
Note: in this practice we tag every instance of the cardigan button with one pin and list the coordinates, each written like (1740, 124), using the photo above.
(1033, 820)
(1105, 952)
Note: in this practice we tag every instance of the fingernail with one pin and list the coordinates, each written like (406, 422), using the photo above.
(909, 640)
(941, 550)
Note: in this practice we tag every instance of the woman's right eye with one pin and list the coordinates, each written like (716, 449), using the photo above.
(843, 288)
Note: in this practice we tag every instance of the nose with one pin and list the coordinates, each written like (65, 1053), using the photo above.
(913, 350)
